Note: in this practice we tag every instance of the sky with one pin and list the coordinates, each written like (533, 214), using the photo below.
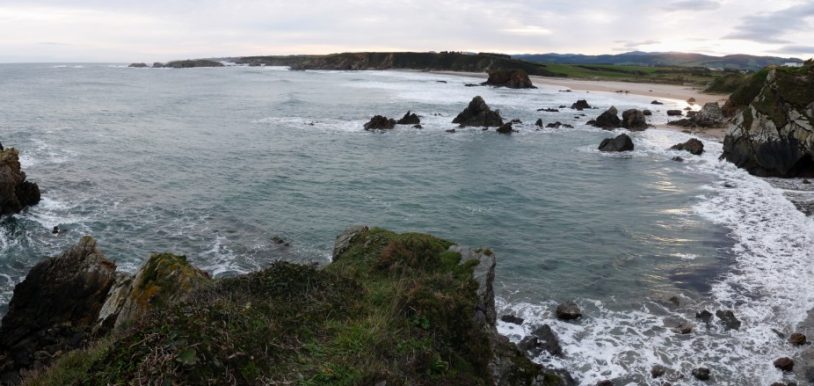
(159, 30)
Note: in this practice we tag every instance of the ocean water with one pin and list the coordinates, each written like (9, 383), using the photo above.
(212, 163)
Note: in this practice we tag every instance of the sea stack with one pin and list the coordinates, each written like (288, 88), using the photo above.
(16, 193)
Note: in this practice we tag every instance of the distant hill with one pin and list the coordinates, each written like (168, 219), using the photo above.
(638, 58)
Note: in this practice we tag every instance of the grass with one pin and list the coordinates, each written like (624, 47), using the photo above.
(642, 74)
(393, 307)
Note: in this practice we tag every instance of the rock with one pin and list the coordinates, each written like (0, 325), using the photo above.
(674, 113)
(681, 123)
(806, 182)
(797, 339)
(409, 119)
(704, 316)
(55, 230)
(344, 240)
(506, 129)
(441, 81)
(549, 110)
(478, 114)
(634, 120)
(581, 104)
(772, 134)
(471, 85)
(138, 65)
(684, 328)
(193, 63)
(539, 123)
(647, 113)
(512, 319)
(656, 103)
(678, 159)
(618, 144)
(418, 127)
(516, 122)
(542, 339)
(452, 131)
(728, 319)
(710, 115)
(691, 100)
(380, 123)
(557, 125)
(658, 371)
(509, 78)
(784, 364)
(701, 374)
(604, 383)
(158, 65)
(694, 146)
(56, 305)
(568, 311)
(16, 193)
(608, 120)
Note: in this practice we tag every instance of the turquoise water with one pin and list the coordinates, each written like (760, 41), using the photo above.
(212, 163)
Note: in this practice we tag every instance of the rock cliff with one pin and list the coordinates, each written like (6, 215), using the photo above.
(16, 192)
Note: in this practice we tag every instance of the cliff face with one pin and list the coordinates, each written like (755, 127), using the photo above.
(16, 192)
(395, 308)
(773, 126)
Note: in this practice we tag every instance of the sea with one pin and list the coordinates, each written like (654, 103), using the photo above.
(218, 163)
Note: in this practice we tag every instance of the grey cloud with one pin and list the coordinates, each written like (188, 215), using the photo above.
(693, 5)
(772, 27)
(795, 50)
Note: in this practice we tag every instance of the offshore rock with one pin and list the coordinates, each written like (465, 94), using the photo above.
(634, 120)
(16, 193)
(581, 104)
(509, 78)
(478, 114)
(618, 144)
(380, 123)
(693, 145)
(608, 120)
(409, 119)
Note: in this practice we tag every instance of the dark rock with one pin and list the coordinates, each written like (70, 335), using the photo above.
(568, 311)
(471, 85)
(409, 119)
(701, 374)
(710, 115)
(618, 144)
(678, 159)
(682, 123)
(509, 78)
(380, 123)
(691, 100)
(516, 122)
(542, 339)
(440, 81)
(158, 65)
(647, 113)
(506, 129)
(608, 120)
(55, 230)
(728, 319)
(688, 109)
(539, 123)
(192, 63)
(784, 364)
(512, 319)
(634, 120)
(581, 104)
(563, 106)
(418, 127)
(16, 193)
(692, 114)
(658, 371)
(549, 110)
(656, 103)
(138, 65)
(604, 383)
(450, 131)
(674, 113)
(704, 316)
(56, 306)
(478, 114)
(694, 146)
(797, 339)
(806, 182)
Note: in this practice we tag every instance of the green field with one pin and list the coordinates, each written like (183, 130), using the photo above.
(646, 74)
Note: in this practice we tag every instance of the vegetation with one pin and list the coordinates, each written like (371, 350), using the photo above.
(669, 59)
(392, 307)
(642, 74)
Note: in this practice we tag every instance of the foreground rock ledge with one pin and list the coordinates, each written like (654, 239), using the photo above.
(395, 308)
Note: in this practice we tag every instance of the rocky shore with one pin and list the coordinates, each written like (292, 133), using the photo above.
(390, 309)
(16, 192)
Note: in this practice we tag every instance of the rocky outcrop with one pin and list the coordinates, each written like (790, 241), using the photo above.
(580, 105)
(16, 192)
(506, 128)
(192, 63)
(568, 311)
(509, 78)
(542, 339)
(674, 113)
(478, 114)
(608, 120)
(710, 115)
(54, 309)
(728, 319)
(634, 120)
(693, 145)
(773, 128)
(409, 118)
(618, 144)
(138, 65)
(379, 122)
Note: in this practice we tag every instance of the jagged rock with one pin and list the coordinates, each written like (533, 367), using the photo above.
(728, 319)
(773, 129)
(542, 339)
(506, 128)
(138, 65)
(656, 103)
(379, 122)
(512, 319)
(581, 104)
(710, 115)
(16, 193)
(674, 113)
(55, 307)
(784, 364)
(634, 120)
(418, 127)
(478, 113)
(557, 125)
(701, 374)
(618, 144)
(608, 120)
(344, 240)
(509, 78)
(409, 119)
(539, 123)
(797, 339)
(568, 311)
(693, 145)
(704, 315)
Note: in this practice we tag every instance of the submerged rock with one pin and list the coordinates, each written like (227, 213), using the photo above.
(138, 65)
(702, 374)
(539, 123)
(16, 193)
(674, 113)
(409, 119)
(379, 122)
(704, 315)
(785, 364)
(693, 145)
(581, 104)
(506, 129)
(542, 339)
(728, 319)
(634, 120)
(478, 114)
(608, 120)
(618, 144)
(509, 78)
(512, 319)
(797, 339)
(568, 311)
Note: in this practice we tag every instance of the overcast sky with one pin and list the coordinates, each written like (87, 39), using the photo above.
(157, 30)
